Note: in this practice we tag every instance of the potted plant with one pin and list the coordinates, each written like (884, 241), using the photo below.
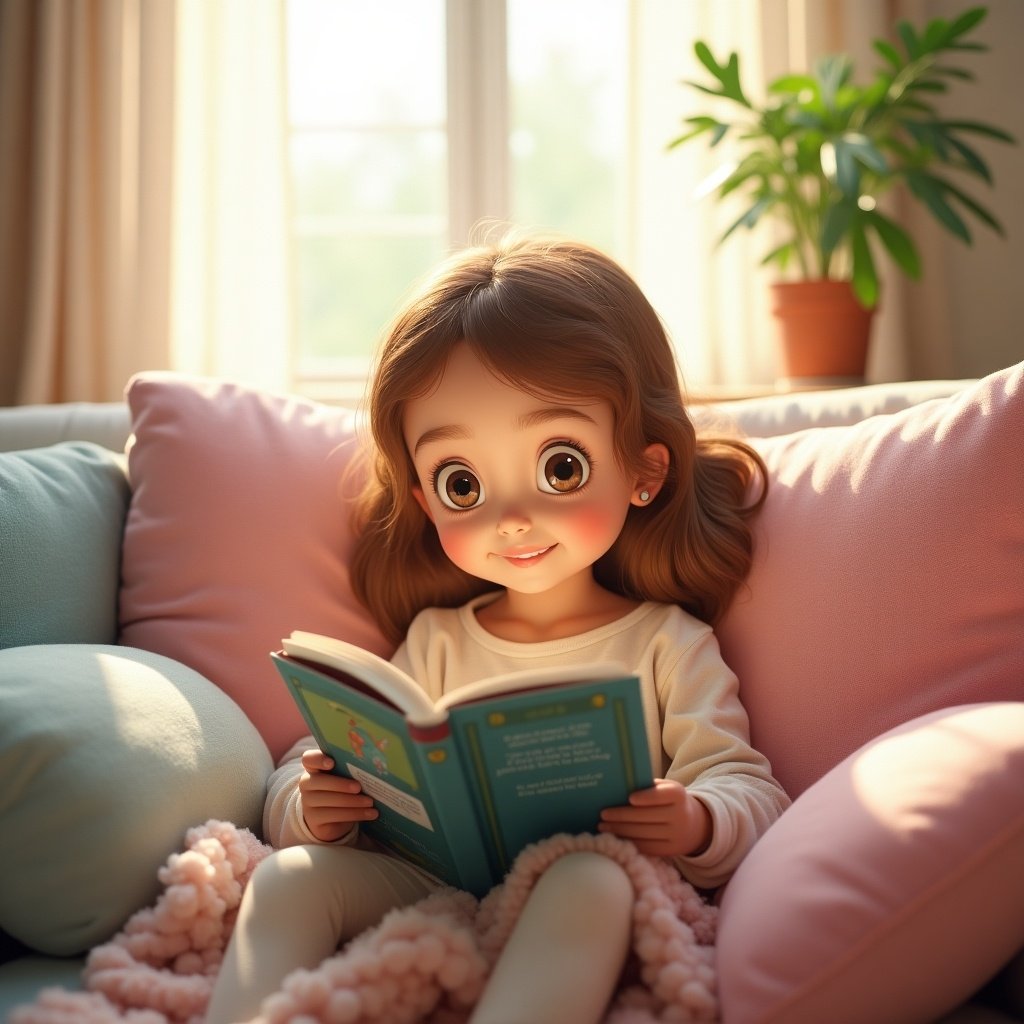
(819, 153)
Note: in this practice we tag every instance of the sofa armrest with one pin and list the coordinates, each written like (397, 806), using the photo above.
(37, 426)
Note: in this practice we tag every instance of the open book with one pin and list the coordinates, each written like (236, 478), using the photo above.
(464, 784)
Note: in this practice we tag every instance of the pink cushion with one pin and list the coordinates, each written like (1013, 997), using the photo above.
(237, 533)
(891, 889)
(887, 579)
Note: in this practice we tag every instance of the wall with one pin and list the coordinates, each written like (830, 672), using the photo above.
(984, 282)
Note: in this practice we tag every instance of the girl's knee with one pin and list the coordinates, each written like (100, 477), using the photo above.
(287, 874)
(275, 872)
(592, 880)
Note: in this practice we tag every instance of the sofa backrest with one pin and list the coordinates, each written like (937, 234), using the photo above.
(108, 423)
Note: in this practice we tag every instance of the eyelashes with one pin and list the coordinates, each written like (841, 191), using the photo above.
(563, 467)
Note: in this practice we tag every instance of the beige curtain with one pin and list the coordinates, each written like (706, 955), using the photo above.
(143, 194)
(85, 97)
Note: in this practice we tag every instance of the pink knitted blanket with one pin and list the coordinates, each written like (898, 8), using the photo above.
(425, 962)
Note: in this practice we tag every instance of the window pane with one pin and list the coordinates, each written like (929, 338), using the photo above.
(353, 62)
(360, 174)
(568, 95)
(368, 152)
(349, 289)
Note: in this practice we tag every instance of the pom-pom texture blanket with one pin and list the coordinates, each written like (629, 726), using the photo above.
(426, 962)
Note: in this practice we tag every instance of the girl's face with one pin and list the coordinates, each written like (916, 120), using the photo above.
(524, 492)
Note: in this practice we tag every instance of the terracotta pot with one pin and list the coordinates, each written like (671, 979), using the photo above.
(823, 332)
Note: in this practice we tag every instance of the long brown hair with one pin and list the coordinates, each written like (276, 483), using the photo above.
(554, 319)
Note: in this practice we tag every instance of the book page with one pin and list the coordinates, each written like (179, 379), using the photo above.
(375, 672)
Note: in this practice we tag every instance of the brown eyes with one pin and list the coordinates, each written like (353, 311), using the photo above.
(561, 469)
(458, 486)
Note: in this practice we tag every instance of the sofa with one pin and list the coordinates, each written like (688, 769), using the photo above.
(152, 553)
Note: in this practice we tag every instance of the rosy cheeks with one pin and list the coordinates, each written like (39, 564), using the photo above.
(591, 524)
(461, 543)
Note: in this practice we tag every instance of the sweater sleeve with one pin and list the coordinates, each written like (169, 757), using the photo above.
(706, 733)
(283, 823)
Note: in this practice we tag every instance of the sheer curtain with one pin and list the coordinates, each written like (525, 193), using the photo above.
(230, 310)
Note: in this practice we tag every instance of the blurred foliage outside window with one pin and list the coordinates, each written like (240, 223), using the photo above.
(369, 154)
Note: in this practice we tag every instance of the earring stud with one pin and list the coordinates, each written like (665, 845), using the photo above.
(645, 495)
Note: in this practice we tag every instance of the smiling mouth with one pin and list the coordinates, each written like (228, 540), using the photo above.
(524, 558)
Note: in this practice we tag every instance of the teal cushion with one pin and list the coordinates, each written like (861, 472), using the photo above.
(21, 981)
(107, 756)
(62, 512)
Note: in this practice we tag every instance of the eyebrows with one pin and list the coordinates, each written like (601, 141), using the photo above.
(545, 414)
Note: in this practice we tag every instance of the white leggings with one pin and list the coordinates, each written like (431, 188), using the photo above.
(300, 905)
(561, 962)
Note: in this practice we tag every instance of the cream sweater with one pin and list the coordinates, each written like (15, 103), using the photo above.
(696, 726)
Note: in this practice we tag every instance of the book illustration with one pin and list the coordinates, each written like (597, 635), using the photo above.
(464, 785)
(362, 738)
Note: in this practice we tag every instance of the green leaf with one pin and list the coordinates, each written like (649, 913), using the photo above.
(806, 119)
(840, 167)
(928, 136)
(701, 126)
(889, 52)
(833, 73)
(842, 158)
(927, 86)
(781, 254)
(750, 217)
(973, 205)
(875, 92)
(966, 21)
(751, 166)
(972, 161)
(897, 242)
(728, 74)
(936, 34)
(835, 225)
(931, 191)
(866, 152)
(865, 278)
(951, 72)
(910, 40)
(979, 128)
(705, 56)
(794, 84)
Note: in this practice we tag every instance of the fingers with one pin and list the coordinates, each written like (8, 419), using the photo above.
(331, 804)
(663, 820)
(316, 761)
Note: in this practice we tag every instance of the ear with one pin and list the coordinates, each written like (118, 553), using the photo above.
(657, 459)
(421, 500)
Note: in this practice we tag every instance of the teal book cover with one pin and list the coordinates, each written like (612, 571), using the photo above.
(463, 785)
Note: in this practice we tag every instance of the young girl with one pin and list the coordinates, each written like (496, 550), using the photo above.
(538, 496)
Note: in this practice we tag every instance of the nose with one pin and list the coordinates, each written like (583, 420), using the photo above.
(511, 523)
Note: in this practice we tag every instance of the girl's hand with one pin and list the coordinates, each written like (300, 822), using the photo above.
(331, 805)
(663, 821)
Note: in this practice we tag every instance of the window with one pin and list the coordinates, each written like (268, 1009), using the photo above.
(410, 121)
